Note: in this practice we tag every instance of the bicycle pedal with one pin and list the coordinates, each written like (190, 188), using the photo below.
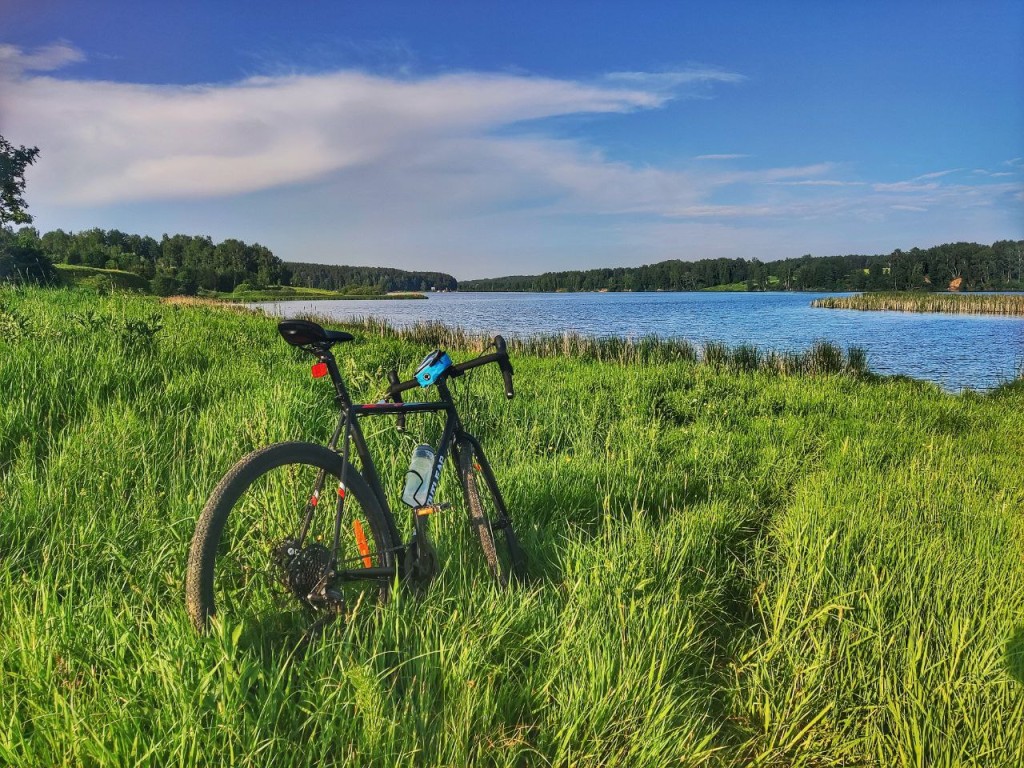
(432, 508)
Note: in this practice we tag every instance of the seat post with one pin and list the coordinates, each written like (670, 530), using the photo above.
(341, 397)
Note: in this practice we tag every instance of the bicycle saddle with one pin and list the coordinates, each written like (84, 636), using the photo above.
(303, 333)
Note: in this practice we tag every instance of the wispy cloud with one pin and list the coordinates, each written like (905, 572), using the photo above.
(820, 183)
(693, 83)
(674, 79)
(905, 186)
(14, 61)
(774, 175)
(721, 157)
(936, 174)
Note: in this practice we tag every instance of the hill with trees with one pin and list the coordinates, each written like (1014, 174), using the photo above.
(977, 267)
(174, 264)
(189, 264)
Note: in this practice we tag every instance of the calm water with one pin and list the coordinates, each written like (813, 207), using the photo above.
(957, 351)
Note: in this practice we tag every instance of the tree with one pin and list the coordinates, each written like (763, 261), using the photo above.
(188, 281)
(21, 258)
(163, 284)
(12, 182)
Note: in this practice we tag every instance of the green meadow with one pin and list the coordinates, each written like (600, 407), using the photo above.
(734, 559)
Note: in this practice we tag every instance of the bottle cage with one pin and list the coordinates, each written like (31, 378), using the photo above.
(433, 365)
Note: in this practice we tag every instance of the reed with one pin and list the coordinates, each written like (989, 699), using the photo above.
(822, 358)
(960, 303)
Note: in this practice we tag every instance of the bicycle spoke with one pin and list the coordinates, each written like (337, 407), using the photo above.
(262, 571)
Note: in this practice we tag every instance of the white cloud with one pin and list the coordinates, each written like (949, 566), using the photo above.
(936, 174)
(424, 144)
(14, 61)
(106, 142)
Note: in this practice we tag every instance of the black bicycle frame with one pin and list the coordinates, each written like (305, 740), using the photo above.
(348, 429)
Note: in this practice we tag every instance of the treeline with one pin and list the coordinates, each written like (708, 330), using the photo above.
(333, 277)
(174, 264)
(968, 266)
(190, 264)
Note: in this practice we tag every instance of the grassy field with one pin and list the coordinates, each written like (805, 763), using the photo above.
(93, 277)
(961, 303)
(729, 567)
(772, 284)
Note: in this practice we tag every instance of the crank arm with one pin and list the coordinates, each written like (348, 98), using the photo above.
(432, 508)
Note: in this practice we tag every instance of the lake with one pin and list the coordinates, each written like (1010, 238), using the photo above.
(956, 351)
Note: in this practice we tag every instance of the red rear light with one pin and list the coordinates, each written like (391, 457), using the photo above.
(319, 370)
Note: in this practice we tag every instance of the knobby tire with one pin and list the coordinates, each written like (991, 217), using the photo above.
(505, 557)
(272, 471)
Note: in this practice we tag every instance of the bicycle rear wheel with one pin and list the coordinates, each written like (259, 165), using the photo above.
(489, 518)
(261, 550)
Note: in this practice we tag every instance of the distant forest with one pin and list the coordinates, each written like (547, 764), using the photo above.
(336, 278)
(188, 264)
(977, 267)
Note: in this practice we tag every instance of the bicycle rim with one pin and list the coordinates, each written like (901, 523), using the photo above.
(262, 551)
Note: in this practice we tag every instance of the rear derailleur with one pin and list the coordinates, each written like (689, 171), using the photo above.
(306, 572)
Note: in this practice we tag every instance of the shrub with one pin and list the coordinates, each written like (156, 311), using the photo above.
(164, 285)
(23, 263)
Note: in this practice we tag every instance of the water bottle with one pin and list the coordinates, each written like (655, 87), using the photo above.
(417, 479)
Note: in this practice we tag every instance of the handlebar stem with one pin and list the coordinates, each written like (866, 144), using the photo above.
(396, 388)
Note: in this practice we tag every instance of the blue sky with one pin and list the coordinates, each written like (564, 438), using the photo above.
(485, 139)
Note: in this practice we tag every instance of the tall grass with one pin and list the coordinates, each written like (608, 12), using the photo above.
(962, 303)
(728, 569)
(822, 358)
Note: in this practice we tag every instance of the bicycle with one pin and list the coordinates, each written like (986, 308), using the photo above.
(260, 550)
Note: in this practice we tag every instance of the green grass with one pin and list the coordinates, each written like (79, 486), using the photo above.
(730, 566)
(726, 288)
(771, 284)
(961, 303)
(94, 277)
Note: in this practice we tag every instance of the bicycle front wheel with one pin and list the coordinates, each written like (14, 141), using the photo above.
(489, 518)
(261, 553)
